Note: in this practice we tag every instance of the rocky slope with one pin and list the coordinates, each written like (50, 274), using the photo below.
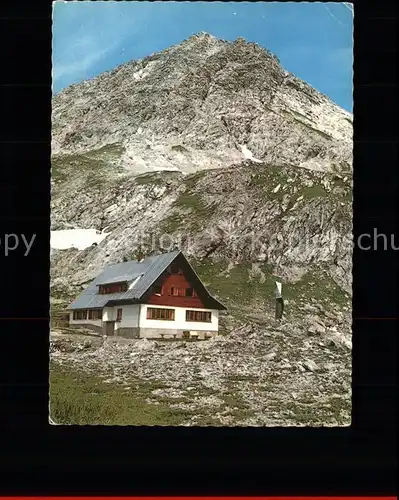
(289, 219)
(295, 374)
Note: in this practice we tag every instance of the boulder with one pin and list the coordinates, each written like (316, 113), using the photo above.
(309, 365)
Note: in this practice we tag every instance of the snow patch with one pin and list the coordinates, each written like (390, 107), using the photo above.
(248, 154)
(75, 238)
(138, 75)
(167, 169)
(143, 72)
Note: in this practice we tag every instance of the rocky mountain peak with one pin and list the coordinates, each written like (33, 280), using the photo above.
(210, 98)
(202, 35)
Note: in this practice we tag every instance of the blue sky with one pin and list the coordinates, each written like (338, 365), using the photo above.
(311, 40)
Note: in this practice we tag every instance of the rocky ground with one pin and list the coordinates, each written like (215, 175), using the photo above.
(285, 374)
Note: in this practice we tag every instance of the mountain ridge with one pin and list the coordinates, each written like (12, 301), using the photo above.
(211, 97)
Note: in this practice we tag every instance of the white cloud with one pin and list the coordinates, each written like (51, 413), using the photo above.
(85, 33)
(78, 53)
(80, 65)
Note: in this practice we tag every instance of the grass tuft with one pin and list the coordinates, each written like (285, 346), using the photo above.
(80, 399)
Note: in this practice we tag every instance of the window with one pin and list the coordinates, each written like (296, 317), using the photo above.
(199, 316)
(119, 314)
(190, 292)
(95, 313)
(157, 313)
(113, 288)
(80, 314)
(177, 292)
(158, 289)
(174, 269)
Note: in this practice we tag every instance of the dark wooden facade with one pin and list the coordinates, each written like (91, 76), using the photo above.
(112, 288)
(175, 281)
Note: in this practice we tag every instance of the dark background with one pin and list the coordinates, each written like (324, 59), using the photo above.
(39, 459)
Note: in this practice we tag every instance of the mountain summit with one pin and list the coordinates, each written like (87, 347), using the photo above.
(203, 104)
